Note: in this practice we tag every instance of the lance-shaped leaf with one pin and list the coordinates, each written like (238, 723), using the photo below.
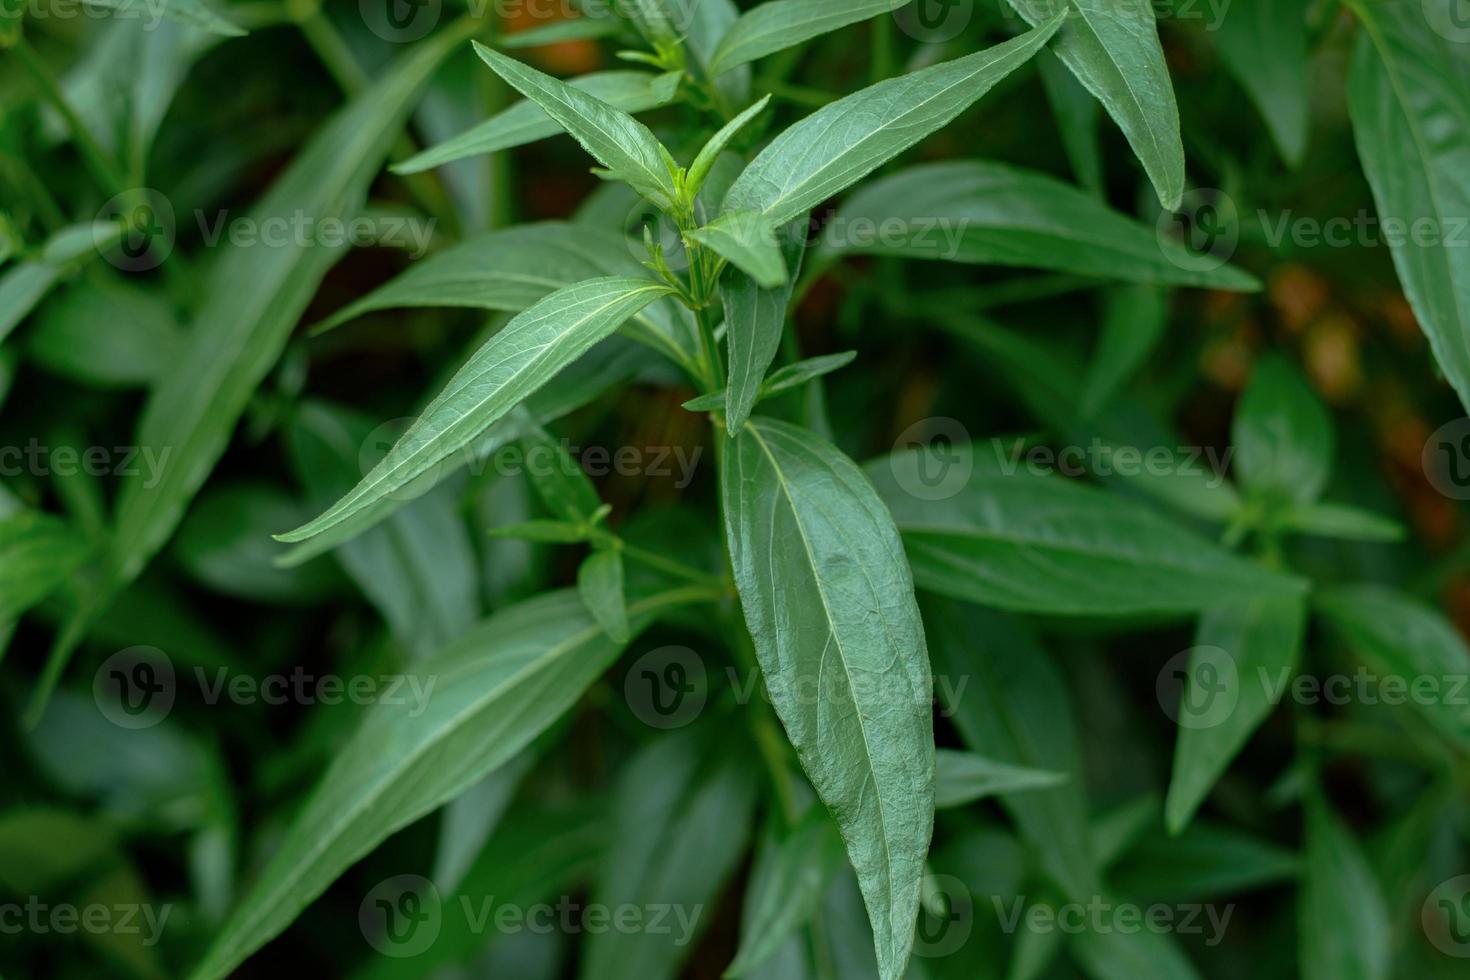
(708, 154)
(1014, 539)
(1283, 436)
(1223, 699)
(25, 284)
(38, 553)
(1114, 51)
(1264, 45)
(526, 122)
(993, 214)
(964, 777)
(466, 710)
(1401, 637)
(1406, 93)
(754, 320)
(842, 143)
(600, 584)
(782, 24)
(526, 354)
(830, 604)
(253, 297)
(615, 139)
(746, 240)
(1343, 922)
(194, 13)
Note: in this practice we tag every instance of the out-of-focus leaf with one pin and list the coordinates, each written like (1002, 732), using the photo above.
(105, 333)
(1340, 521)
(1283, 436)
(194, 13)
(964, 777)
(780, 24)
(1344, 926)
(38, 553)
(1264, 45)
(1134, 318)
(830, 605)
(26, 283)
(1205, 863)
(600, 584)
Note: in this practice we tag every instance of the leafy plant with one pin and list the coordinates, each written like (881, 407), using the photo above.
(1106, 637)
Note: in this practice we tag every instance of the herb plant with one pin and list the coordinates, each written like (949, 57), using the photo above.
(1040, 689)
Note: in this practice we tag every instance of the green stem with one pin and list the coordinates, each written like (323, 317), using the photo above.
(672, 567)
(104, 168)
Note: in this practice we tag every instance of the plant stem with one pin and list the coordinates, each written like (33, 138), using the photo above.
(672, 567)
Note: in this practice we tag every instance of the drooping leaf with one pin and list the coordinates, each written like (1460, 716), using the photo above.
(1283, 437)
(526, 122)
(1400, 637)
(1264, 45)
(615, 139)
(1114, 51)
(526, 354)
(1037, 542)
(1406, 95)
(829, 602)
(253, 297)
(470, 708)
(1344, 927)
(747, 241)
(780, 24)
(843, 142)
(38, 553)
(1077, 117)
(1223, 699)
(964, 777)
(990, 213)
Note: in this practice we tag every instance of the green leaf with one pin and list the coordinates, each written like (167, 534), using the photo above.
(1009, 702)
(467, 710)
(1117, 952)
(135, 349)
(1040, 543)
(755, 319)
(253, 297)
(992, 214)
(1283, 437)
(38, 553)
(1205, 863)
(545, 532)
(1406, 93)
(191, 12)
(417, 568)
(1340, 521)
(1114, 51)
(964, 777)
(841, 143)
(781, 24)
(747, 241)
(1401, 637)
(1264, 45)
(583, 28)
(1076, 115)
(1344, 927)
(25, 284)
(526, 354)
(1134, 318)
(614, 139)
(704, 162)
(558, 479)
(682, 814)
(526, 122)
(787, 885)
(1223, 699)
(600, 584)
(829, 602)
(787, 378)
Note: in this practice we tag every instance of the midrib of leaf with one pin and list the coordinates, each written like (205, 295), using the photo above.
(643, 607)
(870, 776)
(1422, 158)
(415, 464)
